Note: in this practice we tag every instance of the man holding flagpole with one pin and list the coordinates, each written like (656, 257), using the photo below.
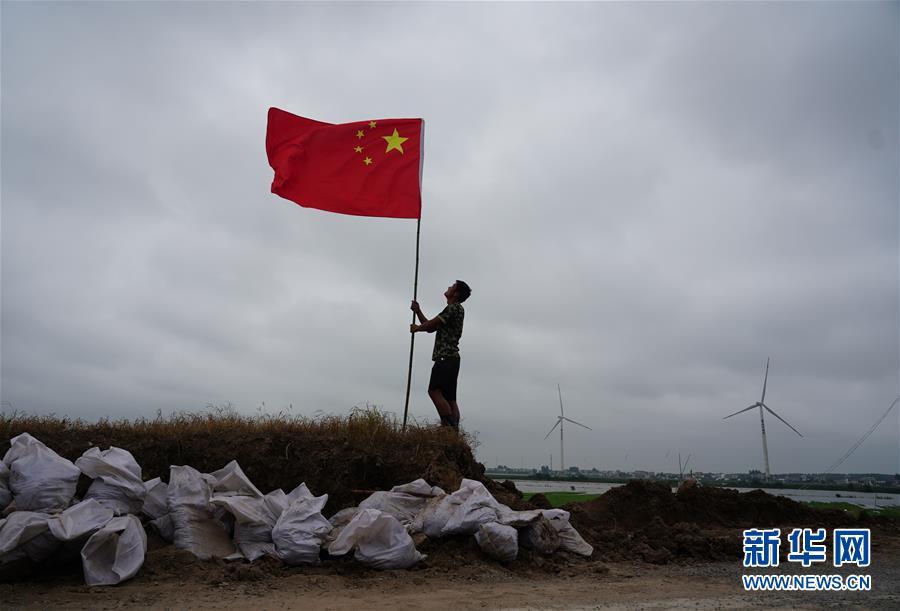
(365, 168)
(445, 372)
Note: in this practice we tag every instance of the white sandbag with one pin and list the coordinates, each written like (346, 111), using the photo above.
(40, 479)
(187, 486)
(25, 535)
(231, 478)
(474, 506)
(403, 502)
(195, 527)
(254, 540)
(539, 536)
(245, 509)
(301, 530)
(339, 521)
(419, 487)
(5, 493)
(432, 518)
(381, 542)
(518, 519)
(255, 517)
(569, 538)
(19, 528)
(79, 520)
(117, 479)
(115, 552)
(498, 541)
(156, 501)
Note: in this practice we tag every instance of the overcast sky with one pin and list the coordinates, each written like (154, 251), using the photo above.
(648, 200)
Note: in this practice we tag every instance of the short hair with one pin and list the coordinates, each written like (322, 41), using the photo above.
(462, 291)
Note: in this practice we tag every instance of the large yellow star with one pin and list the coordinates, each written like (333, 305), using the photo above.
(395, 141)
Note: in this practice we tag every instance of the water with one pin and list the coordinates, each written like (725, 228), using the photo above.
(863, 499)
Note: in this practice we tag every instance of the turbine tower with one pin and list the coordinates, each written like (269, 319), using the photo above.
(761, 404)
(559, 423)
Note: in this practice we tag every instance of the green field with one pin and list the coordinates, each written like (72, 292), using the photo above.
(558, 499)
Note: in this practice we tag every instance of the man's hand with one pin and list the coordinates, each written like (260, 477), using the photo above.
(413, 328)
(415, 307)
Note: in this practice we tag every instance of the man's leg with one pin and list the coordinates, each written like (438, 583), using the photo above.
(440, 403)
(454, 413)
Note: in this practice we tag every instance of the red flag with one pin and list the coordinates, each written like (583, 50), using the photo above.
(368, 168)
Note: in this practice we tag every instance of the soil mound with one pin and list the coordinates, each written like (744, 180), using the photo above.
(645, 520)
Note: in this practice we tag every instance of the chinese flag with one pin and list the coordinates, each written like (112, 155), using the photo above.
(369, 168)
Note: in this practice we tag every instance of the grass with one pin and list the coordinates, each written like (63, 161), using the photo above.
(366, 449)
(558, 499)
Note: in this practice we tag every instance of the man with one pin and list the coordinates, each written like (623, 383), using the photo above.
(444, 373)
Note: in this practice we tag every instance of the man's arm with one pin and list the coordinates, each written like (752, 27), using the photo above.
(429, 326)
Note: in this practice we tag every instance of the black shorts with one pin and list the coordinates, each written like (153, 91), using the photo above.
(443, 376)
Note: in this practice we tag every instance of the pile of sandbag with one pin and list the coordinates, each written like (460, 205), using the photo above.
(37, 490)
(223, 515)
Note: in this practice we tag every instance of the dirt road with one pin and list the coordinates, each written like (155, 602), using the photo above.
(171, 580)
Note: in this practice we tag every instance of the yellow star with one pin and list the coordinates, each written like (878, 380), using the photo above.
(371, 124)
(358, 149)
(395, 141)
(359, 134)
(367, 161)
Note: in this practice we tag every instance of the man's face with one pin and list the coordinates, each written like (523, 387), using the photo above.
(451, 291)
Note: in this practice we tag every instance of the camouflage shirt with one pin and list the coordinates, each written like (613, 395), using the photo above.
(446, 342)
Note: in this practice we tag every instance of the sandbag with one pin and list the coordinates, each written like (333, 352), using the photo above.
(301, 530)
(195, 527)
(40, 479)
(231, 478)
(432, 518)
(115, 552)
(79, 520)
(498, 541)
(156, 501)
(254, 519)
(569, 538)
(539, 536)
(474, 506)
(117, 479)
(381, 542)
(403, 502)
(18, 530)
(5, 493)
(339, 522)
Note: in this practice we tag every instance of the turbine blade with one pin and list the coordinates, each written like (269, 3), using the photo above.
(554, 427)
(782, 419)
(578, 423)
(741, 411)
(560, 400)
(766, 379)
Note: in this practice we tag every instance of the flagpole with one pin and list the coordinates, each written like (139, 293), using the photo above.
(412, 336)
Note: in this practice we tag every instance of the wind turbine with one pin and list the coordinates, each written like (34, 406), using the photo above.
(761, 404)
(559, 423)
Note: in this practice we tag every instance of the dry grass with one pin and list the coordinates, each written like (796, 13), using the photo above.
(364, 450)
